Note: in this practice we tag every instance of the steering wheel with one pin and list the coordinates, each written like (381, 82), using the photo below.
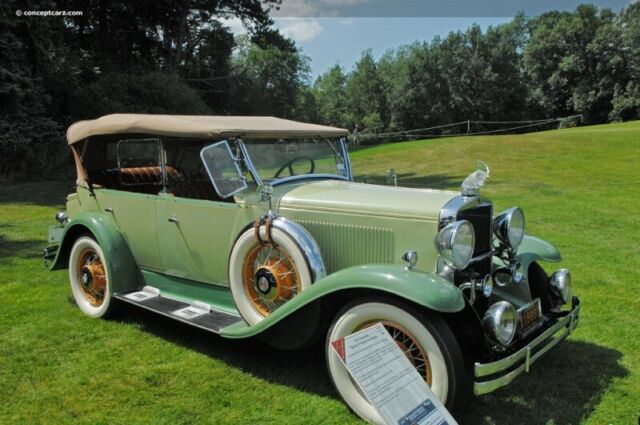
(289, 166)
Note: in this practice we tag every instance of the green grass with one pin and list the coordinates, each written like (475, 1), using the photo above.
(578, 188)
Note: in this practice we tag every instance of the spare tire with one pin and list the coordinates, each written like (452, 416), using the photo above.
(270, 266)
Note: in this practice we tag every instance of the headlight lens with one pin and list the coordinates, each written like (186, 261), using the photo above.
(500, 322)
(455, 244)
(509, 227)
(560, 283)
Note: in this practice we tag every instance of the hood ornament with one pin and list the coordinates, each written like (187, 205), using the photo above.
(474, 181)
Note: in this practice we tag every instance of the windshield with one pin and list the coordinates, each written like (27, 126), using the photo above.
(278, 159)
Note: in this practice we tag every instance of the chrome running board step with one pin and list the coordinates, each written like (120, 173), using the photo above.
(196, 314)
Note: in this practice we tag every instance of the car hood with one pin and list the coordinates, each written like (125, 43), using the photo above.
(366, 199)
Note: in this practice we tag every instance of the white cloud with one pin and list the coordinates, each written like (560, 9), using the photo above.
(300, 29)
(314, 8)
(347, 21)
(234, 24)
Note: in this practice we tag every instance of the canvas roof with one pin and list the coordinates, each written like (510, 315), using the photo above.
(198, 126)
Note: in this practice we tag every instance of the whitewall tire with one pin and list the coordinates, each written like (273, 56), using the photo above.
(89, 277)
(265, 275)
(441, 363)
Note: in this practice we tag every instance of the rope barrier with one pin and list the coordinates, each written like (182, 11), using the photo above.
(409, 133)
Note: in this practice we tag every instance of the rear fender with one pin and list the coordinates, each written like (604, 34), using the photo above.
(423, 288)
(121, 266)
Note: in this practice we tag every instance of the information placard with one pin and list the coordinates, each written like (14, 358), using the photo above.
(389, 380)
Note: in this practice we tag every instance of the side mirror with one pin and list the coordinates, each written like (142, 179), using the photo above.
(223, 169)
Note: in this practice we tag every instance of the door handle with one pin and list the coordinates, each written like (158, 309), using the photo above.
(109, 210)
(173, 219)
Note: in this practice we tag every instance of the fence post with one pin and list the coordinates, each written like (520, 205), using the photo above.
(468, 127)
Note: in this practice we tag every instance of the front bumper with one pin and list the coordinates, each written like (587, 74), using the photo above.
(491, 376)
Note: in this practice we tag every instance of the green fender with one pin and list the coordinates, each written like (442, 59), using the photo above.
(121, 266)
(532, 249)
(426, 289)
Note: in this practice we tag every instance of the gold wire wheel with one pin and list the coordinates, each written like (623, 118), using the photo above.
(270, 277)
(91, 276)
(409, 345)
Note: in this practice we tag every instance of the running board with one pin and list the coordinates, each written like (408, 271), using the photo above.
(196, 314)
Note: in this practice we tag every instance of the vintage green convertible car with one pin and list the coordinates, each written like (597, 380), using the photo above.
(253, 226)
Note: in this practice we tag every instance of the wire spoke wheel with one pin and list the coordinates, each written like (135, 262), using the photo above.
(409, 345)
(89, 278)
(270, 278)
(92, 276)
(423, 336)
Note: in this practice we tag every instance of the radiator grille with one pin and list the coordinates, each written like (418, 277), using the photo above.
(344, 245)
(481, 218)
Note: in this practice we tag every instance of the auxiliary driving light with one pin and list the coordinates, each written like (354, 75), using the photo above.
(500, 322)
(560, 283)
(509, 227)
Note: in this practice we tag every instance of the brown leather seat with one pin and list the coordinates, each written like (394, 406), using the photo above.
(149, 180)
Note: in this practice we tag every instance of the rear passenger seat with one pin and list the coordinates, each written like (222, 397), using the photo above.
(149, 180)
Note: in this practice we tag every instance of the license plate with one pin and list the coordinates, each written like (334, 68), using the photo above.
(529, 316)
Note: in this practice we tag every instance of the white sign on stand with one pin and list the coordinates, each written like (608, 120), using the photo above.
(389, 380)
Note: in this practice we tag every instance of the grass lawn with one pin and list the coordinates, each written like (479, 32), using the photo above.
(579, 189)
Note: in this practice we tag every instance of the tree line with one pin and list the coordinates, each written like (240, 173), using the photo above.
(181, 58)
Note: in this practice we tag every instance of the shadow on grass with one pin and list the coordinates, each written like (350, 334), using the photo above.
(563, 387)
(25, 248)
(304, 369)
(46, 193)
(434, 181)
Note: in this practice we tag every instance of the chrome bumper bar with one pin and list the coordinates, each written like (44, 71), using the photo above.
(503, 371)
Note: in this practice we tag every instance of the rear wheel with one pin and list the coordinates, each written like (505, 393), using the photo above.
(424, 337)
(89, 277)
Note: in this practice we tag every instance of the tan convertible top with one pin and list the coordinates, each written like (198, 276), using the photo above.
(200, 126)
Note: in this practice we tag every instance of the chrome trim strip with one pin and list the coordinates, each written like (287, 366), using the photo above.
(345, 155)
(308, 177)
(247, 161)
(483, 256)
(546, 340)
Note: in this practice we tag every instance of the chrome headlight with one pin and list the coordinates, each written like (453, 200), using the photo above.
(500, 322)
(455, 244)
(509, 227)
(560, 283)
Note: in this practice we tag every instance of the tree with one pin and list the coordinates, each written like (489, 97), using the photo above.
(626, 98)
(31, 142)
(573, 61)
(267, 81)
(330, 97)
(366, 102)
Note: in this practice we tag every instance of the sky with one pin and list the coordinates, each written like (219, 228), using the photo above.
(338, 31)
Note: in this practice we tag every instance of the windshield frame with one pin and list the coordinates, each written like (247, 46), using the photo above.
(341, 144)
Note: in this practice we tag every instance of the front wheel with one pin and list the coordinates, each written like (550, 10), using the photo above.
(425, 338)
(89, 278)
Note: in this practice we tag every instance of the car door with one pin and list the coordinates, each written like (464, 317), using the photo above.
(195, 235)
(133, 196)
(135, 216)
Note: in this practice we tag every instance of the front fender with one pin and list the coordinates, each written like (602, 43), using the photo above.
(533, 249)
(121, 266)
(423, 288)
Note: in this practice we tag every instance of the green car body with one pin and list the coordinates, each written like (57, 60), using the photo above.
(182, 248)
